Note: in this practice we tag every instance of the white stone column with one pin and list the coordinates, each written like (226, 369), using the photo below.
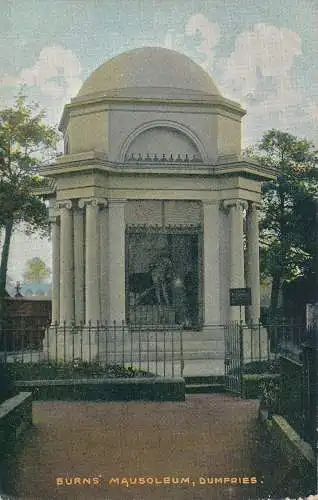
(116, 259)
(253, 271)
(103, 229)
(235, 210)
(66, 262)
(79, 265)
(55, 235)
(92, 259)
(211, 253)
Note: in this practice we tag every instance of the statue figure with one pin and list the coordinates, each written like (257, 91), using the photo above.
(162, 274)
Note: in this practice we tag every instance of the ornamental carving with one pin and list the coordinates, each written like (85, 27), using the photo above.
(165, 157)
(254, 206)
(235, 203)
(64, 204)
(94, 202)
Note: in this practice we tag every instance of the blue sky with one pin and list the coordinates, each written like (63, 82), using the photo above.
(260, 53)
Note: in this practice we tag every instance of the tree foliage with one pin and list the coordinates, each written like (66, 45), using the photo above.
(26, 143)
(287, 223)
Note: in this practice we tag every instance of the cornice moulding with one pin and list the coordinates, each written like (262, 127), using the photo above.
(96, 161)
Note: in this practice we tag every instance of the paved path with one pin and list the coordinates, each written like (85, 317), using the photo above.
(203, 438)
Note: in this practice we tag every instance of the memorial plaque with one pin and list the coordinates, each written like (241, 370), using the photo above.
(240, 297)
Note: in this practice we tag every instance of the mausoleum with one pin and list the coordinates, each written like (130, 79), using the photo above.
(153, 209)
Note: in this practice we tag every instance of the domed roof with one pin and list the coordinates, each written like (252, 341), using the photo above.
(149, 68)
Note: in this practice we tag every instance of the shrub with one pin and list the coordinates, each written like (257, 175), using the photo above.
(270, 396)
(259, 367)
(50, 370)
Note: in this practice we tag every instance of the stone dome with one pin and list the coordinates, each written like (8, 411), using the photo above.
(149, 68)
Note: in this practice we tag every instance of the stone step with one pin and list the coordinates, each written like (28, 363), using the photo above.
(205, 384)
(204, 379)
(205, 388)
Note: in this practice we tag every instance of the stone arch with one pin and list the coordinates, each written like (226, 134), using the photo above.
(169, 126)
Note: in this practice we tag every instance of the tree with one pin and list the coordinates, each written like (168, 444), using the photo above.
(36, 272)
(287, 238)
(26, 143)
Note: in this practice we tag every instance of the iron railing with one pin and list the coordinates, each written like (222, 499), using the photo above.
(298, 386)
(157, 349)
(289, 350)
(264, 343)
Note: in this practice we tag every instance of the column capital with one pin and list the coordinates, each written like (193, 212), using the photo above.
(63, 204)
(236, 203)
(94, 202)
(254, 205)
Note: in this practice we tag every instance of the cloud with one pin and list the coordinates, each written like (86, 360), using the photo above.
(174, 40)
(210, 32)
(313, 108)
(264, 53)
(56, 72)
(199, 38)
(52, 81)
(259, 74)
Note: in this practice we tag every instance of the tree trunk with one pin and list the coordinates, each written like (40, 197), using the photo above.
(275, 293)
(5, 257)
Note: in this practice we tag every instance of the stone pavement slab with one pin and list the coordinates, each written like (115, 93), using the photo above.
(141, 451)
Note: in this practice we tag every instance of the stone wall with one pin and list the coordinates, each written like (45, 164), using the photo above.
(24, 323)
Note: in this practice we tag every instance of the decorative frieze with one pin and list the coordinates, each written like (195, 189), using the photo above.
(165, 157)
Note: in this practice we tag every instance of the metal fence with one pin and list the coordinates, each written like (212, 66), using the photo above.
(162, 350)
(286, 337)
(287, 349)
(262, 343)
(298, 386)
(157, 349)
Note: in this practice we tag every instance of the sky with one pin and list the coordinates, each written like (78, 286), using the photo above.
(263, 54)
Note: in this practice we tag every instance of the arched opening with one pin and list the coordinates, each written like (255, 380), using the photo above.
(162, 141)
